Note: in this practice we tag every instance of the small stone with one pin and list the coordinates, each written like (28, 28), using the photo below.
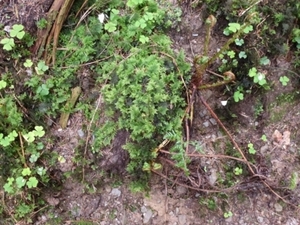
(203, 113)
(212, 177)
(182, 219)
(147, 214)
(213, 121)
(260, 219)
(107, 188)
(181, 190)
(264, 149)
(206, 124)
(116, 192)
(80, 133)
(278, 207)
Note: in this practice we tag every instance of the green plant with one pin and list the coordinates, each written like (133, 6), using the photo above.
(284, 80)
(251, 149)
(238, 171)
(294, 181)
(228, 214)
(264, 138)
(42, 23)
(16, 31)
(145, 87)
(238, 94)
(258, 77)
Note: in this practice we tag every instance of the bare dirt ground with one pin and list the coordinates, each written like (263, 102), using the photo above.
(106, 199)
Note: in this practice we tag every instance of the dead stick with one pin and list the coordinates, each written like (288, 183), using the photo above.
(227, 132)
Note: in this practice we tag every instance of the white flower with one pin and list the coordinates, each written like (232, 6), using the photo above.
(223, 103)
(101, 17)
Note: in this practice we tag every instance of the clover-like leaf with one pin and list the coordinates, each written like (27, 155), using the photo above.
(243, 55)
(239, 42)
(8, 43)
(20, 181)
(26, 172)
(3, 84)
(284, 80)
(252, 72)
(17, 31)
(41, 171)
(143, 39)
(8, 188)
(264, 61)
(34, 157)
(28, 63)
(234, 27)
(39, 131)
(247, 29)
(29, 137)
(42, 90)
(110, 26)
(12, 135)
(41, 67)
(32, 182)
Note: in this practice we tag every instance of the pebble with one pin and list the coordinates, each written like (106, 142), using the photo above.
(278, 207)
(115, 192)
(182, 219)
(147, 214)
(264, 149)
(206, 124)
(181, 190)
(80, 133)
(213, 121)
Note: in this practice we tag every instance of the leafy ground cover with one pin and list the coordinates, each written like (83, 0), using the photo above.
(138, 93)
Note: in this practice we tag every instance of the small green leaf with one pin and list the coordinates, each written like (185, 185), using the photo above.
(238, 171)
(39, 131)
(20, 181)
(143, 39)
(42, 90)
(8, 43)
(239, 42)
(115, 11)
(41, 67)
(228, 214)
(110, 26)
(252, 72)
(34, 157)
(231, 54)
(8, 188)
(248, 29)
(3, 84)
(237, 96)
(29, 137)
(28, 63)
(5, 142)
(41, 171)
(284, 80)
(264, 61)
(10, 180)
(234, 27)
(264, 138)
(242, 55)
(17, 31)
(26, 172)
(251, 149)
(61, 159)
(32, 182)
(12, 135)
